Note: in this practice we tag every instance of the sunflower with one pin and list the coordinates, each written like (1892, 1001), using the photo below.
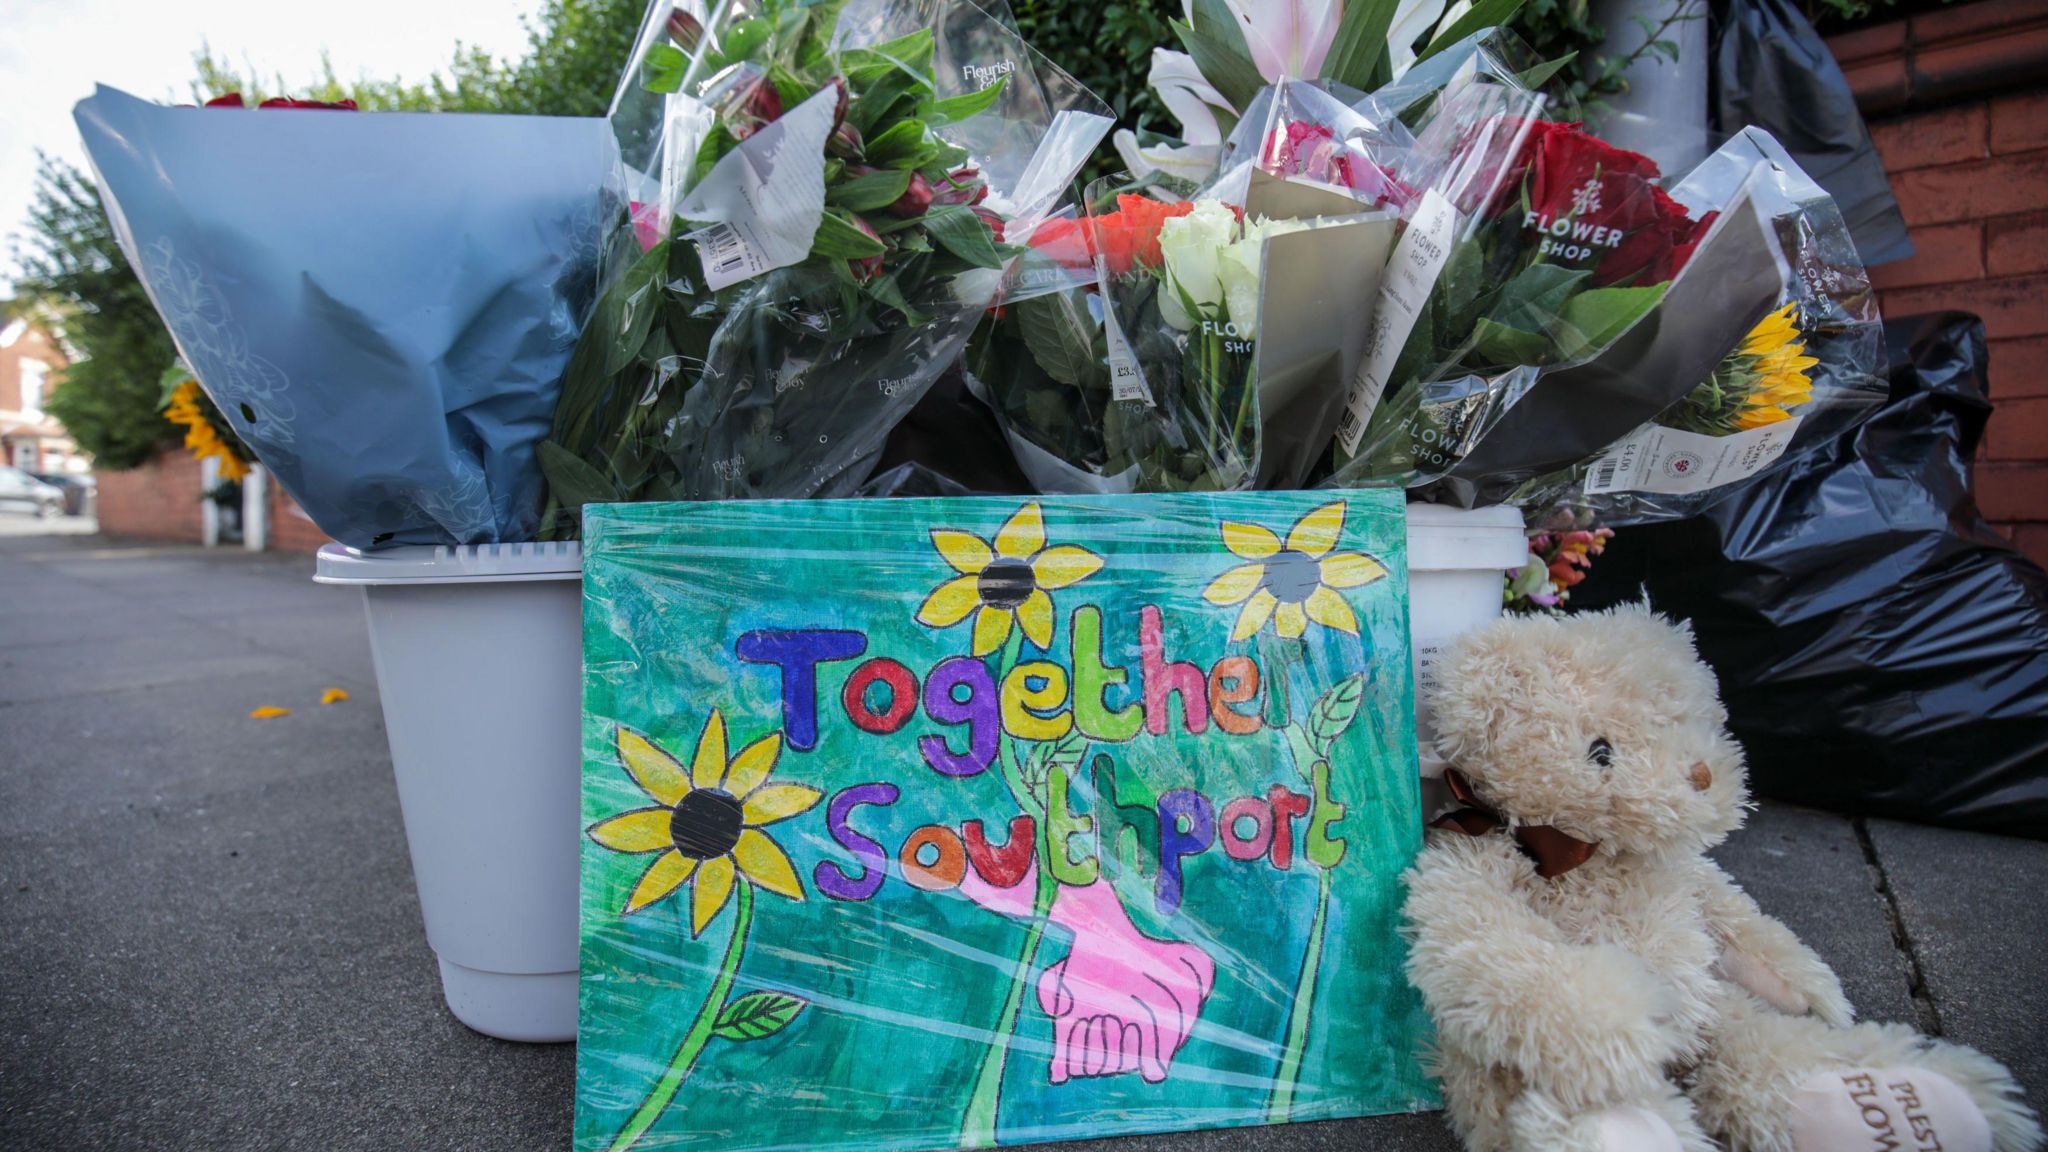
(1757, 384)
(1778, 365)
(188, 407)
(706, 822)
(1295, 581)
(1004, 582)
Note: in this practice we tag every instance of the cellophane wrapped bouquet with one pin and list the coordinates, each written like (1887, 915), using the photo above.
(821, 204)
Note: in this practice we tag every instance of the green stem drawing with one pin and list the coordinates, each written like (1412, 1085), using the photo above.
(1280, 1106)
(685, 1058)
(978, 1130)
(978, 1126)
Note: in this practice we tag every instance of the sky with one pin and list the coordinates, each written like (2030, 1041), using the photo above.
(54, 51)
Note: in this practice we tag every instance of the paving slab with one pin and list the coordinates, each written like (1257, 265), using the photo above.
(1809, 869)
(1972, 909)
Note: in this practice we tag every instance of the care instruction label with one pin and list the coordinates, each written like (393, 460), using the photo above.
(1418, 259)
(1673, 462)
(767, 196)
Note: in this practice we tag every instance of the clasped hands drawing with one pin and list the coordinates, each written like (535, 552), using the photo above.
(1120, 1001)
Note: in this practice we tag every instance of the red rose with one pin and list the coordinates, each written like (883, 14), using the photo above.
(1589, 204)
(234, 100)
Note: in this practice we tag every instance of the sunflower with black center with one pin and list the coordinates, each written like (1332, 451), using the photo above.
(705, 828)
(1004, 582)
(1293, 581)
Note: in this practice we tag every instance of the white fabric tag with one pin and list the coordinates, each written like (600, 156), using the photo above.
(1418, 259)
(1666, 460)
(766, 196)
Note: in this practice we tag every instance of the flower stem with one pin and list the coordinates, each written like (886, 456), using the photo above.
(685, 1057)
(1280, 1106)
(978, 1129)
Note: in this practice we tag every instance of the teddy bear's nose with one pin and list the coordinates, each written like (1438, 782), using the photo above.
(1702, 777)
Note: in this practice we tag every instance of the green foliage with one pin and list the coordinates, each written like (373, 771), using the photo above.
(1565, 31)
(108, 397)
(1108, 47)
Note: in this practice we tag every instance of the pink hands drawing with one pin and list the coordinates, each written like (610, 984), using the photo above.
(1120, 1001)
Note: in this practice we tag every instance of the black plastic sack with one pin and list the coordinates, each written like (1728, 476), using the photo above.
(1772, 70)
(1881, 649)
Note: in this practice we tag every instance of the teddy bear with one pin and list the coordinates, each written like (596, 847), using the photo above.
(1597, 983)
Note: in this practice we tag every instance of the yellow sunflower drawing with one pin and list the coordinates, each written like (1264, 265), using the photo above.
(1005, 582)
(1294, 581)
(706, 823)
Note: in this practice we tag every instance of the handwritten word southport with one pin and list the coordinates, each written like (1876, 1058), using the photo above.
(1041, 700)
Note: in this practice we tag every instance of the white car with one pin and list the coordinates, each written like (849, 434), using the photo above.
(18, 489)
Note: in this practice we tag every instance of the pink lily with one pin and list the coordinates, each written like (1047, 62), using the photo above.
(1288, 38)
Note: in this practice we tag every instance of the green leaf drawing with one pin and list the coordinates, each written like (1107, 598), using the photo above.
(1335, 712)
(1063, 339)
(757, 1014)
(1062, 754)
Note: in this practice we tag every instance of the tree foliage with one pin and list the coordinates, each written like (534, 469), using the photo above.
(72, 267)
(71, 264)
(1108, 47)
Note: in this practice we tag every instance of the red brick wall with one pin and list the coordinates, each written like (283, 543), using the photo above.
(158, 501)
(1971, 175)
(290, 530)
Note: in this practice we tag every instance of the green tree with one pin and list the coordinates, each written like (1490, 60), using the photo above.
(71, 265)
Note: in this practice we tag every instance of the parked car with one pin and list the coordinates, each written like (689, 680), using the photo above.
(78, 490)
(18, 489)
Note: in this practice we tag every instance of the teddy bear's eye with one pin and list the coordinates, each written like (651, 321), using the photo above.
(1601, 752)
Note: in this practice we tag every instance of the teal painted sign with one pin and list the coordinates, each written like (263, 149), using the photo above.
(920, 824)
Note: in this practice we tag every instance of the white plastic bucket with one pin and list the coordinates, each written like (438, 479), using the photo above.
(479, 659)
(1457, 560)
(479, 656)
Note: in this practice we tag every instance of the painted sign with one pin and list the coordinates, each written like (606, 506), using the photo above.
(932, 823)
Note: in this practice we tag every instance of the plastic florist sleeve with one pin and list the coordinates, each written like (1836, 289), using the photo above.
(1547, 297)
(978, 822)
(1811, 367)
(381, 303)
(829, 221)
(1300, 130)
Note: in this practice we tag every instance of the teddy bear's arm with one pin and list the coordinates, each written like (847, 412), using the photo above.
(1761, 954)
(1589, 1024)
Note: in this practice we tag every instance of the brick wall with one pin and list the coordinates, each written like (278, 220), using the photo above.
(290, 529)
(1957, 101)
(158, 501)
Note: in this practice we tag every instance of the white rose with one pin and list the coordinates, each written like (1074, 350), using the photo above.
(1239, 266)
(1192, 245)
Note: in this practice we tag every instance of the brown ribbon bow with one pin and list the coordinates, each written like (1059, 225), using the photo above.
(1554, 852)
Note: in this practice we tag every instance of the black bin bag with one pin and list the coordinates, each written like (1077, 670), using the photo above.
(1771, 69)
(1881, 649)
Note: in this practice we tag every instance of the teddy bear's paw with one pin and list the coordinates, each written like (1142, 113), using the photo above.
(1631, 1129)
(1863, 1108)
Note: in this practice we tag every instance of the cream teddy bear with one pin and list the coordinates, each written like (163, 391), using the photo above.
(1598, 984)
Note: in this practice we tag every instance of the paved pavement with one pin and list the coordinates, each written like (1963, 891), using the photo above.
(209, 938)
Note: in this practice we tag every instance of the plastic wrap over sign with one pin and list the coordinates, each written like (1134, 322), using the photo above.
(917, 824)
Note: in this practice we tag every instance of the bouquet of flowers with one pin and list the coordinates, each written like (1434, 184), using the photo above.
(378, 305)
(828, 220)
(1538, 305)
(1801, 375)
